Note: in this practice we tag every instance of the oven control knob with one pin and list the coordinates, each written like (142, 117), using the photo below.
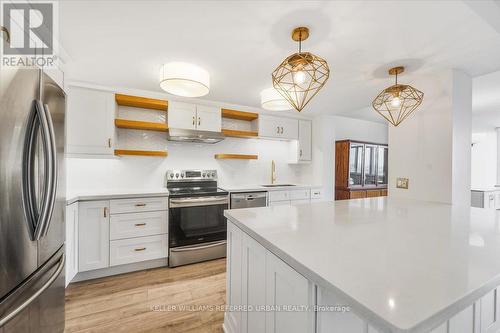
(182, 175)
(204, 175)
(171, 175)
(176, 175)
(213, 174)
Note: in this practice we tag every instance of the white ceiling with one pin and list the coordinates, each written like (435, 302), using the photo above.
(123, 43)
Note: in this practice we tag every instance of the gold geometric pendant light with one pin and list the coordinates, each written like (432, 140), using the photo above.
(397, 102)
(300, 76)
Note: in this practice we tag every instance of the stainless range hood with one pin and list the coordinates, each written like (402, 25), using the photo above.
(185, 135)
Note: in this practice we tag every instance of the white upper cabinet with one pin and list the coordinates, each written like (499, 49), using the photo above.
(209, 118)
(305, 140)
(278, 128)
(194, 117)
(181, 115)
(90, 122)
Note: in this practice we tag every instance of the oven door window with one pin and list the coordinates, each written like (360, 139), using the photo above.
(193, 225)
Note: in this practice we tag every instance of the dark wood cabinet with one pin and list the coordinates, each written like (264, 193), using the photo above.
(361, 169)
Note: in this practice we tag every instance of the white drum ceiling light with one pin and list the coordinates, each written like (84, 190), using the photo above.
(271, 99)
(184, 79)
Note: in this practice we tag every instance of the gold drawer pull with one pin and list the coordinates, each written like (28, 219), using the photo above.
(140, 249)
(140, 224)
(140, 205)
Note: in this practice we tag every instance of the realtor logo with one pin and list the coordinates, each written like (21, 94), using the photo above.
(30, 26)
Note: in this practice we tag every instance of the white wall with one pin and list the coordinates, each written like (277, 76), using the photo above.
(432, 147)
(484, 161)
(327, 130)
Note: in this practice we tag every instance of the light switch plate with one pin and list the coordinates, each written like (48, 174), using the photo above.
(402, 183)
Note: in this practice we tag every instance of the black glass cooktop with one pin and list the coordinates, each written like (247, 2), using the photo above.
(195, 191)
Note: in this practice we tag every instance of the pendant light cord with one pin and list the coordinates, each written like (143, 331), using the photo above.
(396, 77)
(300, 42)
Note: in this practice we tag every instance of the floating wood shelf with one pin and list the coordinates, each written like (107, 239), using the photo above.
(236, 157)
(141, 102)
(159, 153)
(141, 125)
(240, 115)
(240, 134)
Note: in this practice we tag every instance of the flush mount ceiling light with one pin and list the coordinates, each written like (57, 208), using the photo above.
(300, 76)
(271, 99)
(184, 79)
(398, 101)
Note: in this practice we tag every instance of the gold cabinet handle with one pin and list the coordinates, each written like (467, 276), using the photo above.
(140, 249)
(7, 34)
(140, 224)
(105, 211)
(278, 130)
(301, 153)
(193, 120)
(140, 205)
(109, 142)
(199, 121)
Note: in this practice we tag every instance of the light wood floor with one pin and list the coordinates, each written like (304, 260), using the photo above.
(123, 303)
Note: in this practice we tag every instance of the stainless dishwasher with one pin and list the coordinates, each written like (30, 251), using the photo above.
(248, 200)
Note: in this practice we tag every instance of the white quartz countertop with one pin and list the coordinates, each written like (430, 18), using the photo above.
(255, 187)
(409, 265)
(486, 189)
(87, 195)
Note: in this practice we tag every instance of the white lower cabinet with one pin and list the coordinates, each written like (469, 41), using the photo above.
(257, 280)
(93, 235)
(71, 243)
(254, 291)
(116, 232)
(234, 279)
(285, 289)
(127, 251)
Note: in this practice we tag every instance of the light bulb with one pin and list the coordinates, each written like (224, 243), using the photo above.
(396, 102)
(299, 77)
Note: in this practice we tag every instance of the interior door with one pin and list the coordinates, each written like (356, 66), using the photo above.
(18, 251)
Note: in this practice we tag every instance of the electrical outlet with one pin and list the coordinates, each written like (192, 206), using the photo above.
(402, 183)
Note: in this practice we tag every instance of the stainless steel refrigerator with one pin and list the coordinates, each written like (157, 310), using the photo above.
(32, 202)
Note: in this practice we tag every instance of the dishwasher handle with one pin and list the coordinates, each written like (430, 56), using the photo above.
(249, 196)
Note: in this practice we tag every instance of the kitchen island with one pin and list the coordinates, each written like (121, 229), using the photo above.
(366, 265)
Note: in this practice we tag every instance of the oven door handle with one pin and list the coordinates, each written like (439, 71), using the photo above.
(191, 202)
(198, 247)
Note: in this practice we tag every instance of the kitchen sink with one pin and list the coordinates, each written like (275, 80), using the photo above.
(277, 185)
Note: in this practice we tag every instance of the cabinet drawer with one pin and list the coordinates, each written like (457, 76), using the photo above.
(316, 193)
(138, 224)
(373, 193)
(126, 251)
(136, 205)
(357, 194)
(300, 194)
(279, 196)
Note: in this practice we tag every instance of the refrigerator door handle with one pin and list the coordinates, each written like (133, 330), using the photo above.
(37, 218)
(30, 300)
(51, 175)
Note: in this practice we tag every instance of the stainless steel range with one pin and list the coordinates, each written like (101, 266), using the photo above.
(197, 226)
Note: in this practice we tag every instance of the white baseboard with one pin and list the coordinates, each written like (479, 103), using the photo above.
(115, 270)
